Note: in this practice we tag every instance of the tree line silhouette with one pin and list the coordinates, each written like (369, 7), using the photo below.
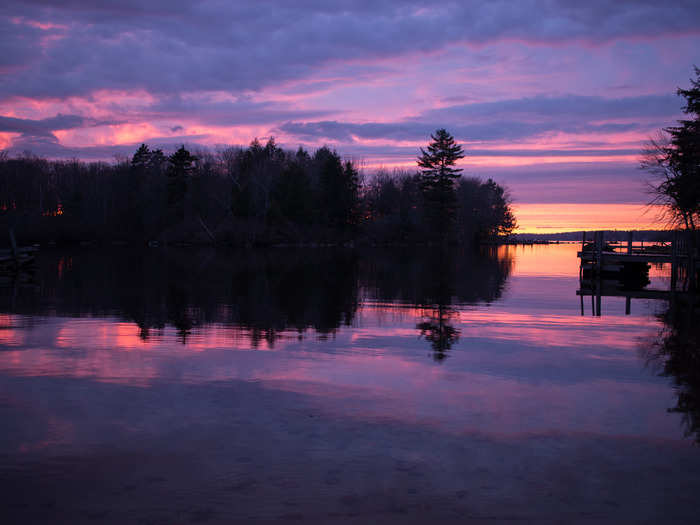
(258, 195)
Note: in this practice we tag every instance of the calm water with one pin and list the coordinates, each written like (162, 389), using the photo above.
(340, 387)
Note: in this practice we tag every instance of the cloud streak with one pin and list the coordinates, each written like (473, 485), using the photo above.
(505, 120)
(43, 127)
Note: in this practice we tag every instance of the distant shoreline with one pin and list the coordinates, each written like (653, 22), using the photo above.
(639, 235)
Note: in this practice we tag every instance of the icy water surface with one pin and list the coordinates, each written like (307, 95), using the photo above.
(328, 386)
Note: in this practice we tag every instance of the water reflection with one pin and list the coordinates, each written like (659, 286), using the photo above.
(675, 353)
(129, 379)
(266, 294)
(435, 325)
(437, 329)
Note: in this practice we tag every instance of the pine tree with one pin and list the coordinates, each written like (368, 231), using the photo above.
(181, 166)
(141, 158)
(684, 153)
(438, 178)
(156, 162)
(675, 160)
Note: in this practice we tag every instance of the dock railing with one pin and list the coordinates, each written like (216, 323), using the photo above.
(604, 262)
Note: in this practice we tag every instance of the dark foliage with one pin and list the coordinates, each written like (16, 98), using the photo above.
(676, 352)
(437, 179)
(180, 169)
(258, 195)
(396, 210)
(674, 161)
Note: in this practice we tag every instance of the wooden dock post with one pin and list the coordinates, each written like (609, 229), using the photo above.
(629, 241)
(599, 271)
(674, 259)
(691, 261)
(598, 251)
(580, 267)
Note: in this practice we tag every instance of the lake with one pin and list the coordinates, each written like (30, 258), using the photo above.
(341, 386)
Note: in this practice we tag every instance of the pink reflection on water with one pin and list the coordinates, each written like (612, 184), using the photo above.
(391, 380)
(518, 368)
(9, 334)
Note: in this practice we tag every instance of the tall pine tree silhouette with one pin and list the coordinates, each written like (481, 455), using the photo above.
(438, 176)
(181, 165)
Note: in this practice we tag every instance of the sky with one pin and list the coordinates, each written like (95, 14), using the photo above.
(553, 99)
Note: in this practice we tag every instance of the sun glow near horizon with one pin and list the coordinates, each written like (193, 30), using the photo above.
(564, 217)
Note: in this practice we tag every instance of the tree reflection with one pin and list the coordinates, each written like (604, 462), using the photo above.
(438, 290)
(425, 277)
(264, 295)
(437, 329)
(438, 282)
(675, 352)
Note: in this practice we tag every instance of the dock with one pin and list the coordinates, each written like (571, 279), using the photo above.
(616, 268)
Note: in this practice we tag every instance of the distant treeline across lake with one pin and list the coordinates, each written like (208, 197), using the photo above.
(257, 195)
(608, 235)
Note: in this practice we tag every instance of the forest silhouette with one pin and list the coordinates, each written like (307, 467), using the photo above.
(258, 195)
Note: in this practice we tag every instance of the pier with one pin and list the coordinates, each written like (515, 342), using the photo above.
(620, 268)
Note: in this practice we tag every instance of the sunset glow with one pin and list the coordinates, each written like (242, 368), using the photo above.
(553, 101)
(550, 217)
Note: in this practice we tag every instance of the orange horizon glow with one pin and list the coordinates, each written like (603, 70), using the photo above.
(566, 217)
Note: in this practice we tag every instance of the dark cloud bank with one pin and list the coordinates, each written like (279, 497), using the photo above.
(166, 47)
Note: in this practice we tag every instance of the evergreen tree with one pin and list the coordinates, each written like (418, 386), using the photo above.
(292, 194)
(141, 158)
(349, 202)
(501, 220)
(156, 161)
(334, 186)
(438, 176)
(675, 160)
(181, 165)
(133, 218)
(684, 153)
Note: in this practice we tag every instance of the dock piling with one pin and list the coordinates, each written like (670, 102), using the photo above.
(629, 242)
(599, 251)
(674, 259)
(610, 270)
(692, 270)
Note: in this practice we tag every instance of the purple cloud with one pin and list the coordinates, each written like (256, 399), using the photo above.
(505, 120)
(168, 47)
(43, 127)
